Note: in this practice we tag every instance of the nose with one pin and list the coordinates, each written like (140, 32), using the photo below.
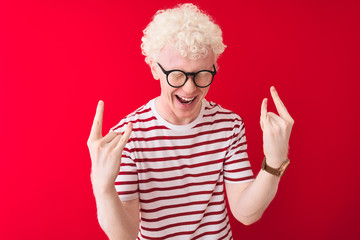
(189, 86)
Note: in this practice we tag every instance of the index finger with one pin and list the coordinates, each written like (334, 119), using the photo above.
(96, 129)
(280, 107)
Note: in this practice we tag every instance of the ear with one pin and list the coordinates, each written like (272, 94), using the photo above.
(216, 67)
(154, 69)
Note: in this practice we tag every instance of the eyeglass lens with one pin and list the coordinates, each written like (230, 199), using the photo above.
(202, 79)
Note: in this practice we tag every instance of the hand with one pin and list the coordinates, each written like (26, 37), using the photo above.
(105, 152)
(276, 131)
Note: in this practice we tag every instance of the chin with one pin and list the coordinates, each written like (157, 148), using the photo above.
(186, 111)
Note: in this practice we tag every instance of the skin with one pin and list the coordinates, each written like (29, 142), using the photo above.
(248, 201)
(167, 104)
(119, 220)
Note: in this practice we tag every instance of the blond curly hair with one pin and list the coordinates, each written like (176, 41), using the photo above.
(187, 28)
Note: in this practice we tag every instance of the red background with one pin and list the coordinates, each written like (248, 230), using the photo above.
(58, 58)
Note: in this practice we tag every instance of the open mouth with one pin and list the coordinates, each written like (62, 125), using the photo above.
(184, 100)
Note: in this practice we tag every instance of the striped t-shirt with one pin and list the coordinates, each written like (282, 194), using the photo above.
(178, 171)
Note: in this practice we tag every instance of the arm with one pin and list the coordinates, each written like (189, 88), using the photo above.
(119, 220)
(248, 201)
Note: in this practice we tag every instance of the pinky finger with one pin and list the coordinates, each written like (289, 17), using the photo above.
(261, 124)
(124, 138)
(264, 108)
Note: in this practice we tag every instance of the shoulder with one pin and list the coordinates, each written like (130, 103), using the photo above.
(142, 113)
(215, 111)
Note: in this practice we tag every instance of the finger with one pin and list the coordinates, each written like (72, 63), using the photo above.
(264, 118)
(275, 119)
(261, 124)
(280, 107)
(124, 138)
(96, 129)
(109, 137)
(264, 108)
(114, 141)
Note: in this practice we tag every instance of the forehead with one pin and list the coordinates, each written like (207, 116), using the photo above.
(170, 58)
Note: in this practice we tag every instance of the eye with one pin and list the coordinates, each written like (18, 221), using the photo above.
(177, 75)
(203, 75)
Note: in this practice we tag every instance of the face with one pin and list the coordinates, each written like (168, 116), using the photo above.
(180, 105)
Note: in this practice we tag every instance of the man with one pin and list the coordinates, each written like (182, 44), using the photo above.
(170, 158)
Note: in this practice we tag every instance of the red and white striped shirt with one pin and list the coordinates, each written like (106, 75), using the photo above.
(178, 171)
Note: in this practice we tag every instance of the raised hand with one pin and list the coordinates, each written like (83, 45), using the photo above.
(276, 131)
(105, 152)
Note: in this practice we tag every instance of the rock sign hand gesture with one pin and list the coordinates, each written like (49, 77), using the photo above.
(276, 131)
(105, 152)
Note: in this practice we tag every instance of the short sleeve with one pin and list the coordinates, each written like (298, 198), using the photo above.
(237, 166)
(126, 183)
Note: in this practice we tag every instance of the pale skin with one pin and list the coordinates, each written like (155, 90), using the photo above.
(248, 201)
(119, 220)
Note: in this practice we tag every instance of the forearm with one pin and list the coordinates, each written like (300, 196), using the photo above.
(256, 197)
(113, 217)
(249, 202)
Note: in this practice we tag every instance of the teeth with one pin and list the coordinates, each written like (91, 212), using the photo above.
(187, 99)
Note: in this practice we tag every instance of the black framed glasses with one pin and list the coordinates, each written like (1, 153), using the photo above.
(177, 78)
